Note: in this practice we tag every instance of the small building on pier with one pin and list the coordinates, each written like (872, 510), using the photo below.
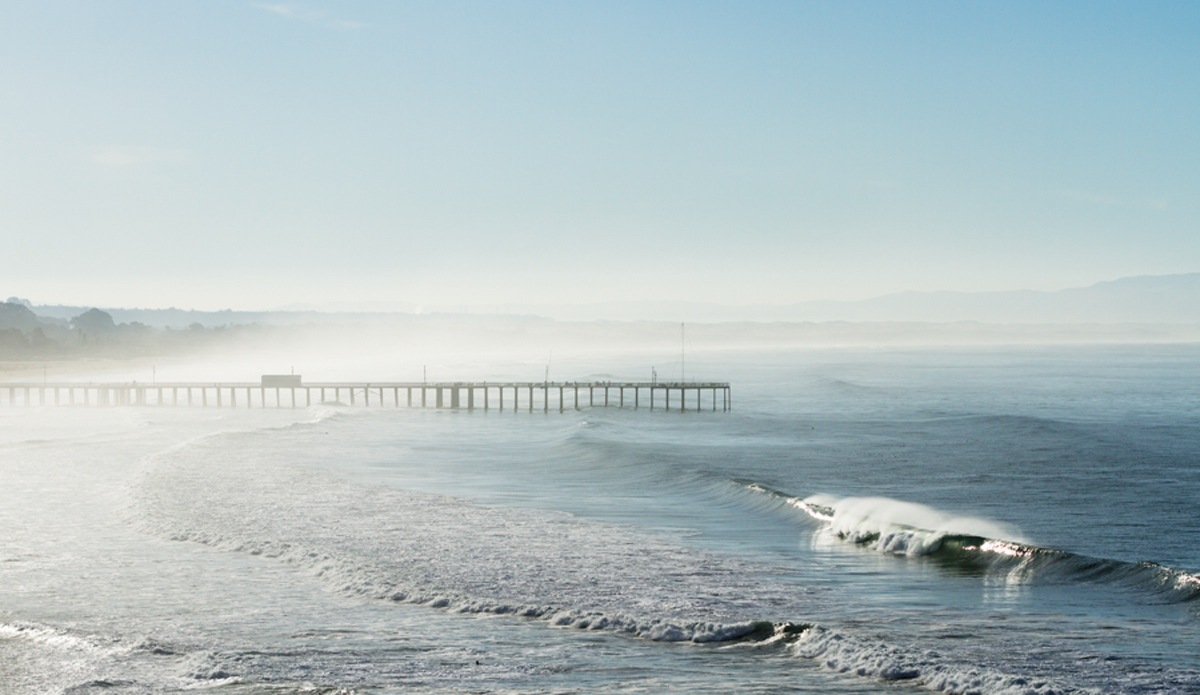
(281, 381)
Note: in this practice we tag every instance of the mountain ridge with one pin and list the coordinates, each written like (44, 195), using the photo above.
(1169, 299)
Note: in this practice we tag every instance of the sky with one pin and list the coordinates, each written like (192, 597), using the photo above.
(252, 155)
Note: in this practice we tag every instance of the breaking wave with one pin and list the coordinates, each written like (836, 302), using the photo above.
(976, 545)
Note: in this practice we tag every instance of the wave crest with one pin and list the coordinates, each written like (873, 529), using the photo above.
(897, 527)
(974, 545)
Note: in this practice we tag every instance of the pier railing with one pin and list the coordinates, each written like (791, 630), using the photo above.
(485, 395)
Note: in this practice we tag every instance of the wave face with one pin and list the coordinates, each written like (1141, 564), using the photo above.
(981, 546)
(897, 527)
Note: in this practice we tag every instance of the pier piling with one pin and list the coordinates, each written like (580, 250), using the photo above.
(462, 395)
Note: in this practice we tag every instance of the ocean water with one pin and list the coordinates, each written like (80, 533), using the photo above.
(984, 520)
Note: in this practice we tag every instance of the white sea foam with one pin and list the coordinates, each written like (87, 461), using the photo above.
(58, 639)
(860, 657)
(895, 526)
(36, 658)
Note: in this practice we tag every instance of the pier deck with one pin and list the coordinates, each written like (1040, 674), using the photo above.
(485, 395)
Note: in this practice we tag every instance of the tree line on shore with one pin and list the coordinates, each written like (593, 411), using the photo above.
(93, 333)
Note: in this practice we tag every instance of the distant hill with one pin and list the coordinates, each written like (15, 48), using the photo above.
(1144, 299)
(169, 318)
(185, 318)
(1137, 310)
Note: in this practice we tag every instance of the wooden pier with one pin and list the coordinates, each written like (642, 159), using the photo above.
(502, 396)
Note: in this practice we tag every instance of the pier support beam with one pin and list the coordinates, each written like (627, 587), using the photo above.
(31, 395)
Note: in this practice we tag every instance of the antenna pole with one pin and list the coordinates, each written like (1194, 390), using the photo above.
(682, 354)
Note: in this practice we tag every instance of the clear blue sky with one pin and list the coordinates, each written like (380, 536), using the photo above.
(236, 154)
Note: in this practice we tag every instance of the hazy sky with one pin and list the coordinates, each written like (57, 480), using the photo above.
(235, 154)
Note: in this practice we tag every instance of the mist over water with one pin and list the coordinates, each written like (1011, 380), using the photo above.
(1015, 520)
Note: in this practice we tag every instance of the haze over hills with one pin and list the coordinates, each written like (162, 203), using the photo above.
(1169, 299)
(1148, 309)
(1141, 299)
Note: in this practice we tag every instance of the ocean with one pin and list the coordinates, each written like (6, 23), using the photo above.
(966, 520)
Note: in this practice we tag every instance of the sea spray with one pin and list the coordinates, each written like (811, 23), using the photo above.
(903, 528)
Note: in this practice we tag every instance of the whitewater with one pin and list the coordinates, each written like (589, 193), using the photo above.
(959, 520)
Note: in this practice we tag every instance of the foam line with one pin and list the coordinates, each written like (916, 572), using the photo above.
(851, 655)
